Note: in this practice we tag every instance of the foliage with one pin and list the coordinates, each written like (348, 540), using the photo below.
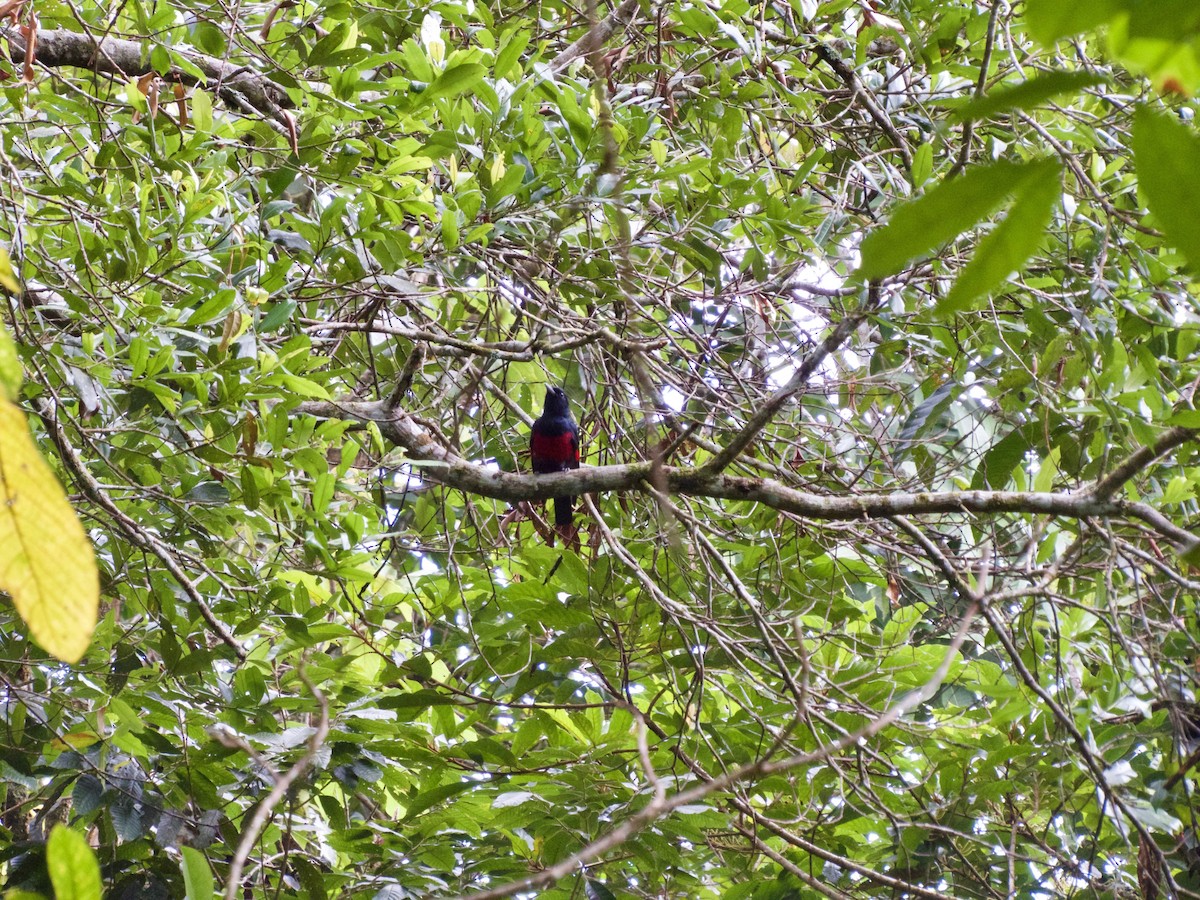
(879, 322)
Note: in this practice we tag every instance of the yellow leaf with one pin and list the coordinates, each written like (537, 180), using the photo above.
(76, 740)
(10, 366)
(8, 278)
(46, 561)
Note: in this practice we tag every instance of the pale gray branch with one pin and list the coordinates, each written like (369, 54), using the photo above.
(443, 466)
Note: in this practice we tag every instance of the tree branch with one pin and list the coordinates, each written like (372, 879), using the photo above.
(133, 532)
(258, 821)
(850, 78)
(664, 805)
(443, 466)
(238, 86)
(808, 367)
(1139, 459)
(596, 36)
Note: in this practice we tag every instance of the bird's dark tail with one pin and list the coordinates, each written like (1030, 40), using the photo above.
(564, 508)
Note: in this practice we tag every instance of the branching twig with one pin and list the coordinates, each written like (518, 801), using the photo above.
(661, 806)
(807, 368)
(850, 78)
(282, 783)
(1139, 460)
(136, 535)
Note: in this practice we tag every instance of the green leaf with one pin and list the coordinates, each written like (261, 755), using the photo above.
(73, 869)
(325, 49)
(281, 312)
(8, 276)
(998, 463)
(1043, 482)
(512, 45)
(1050, 20)
(1012, 242)
(202, 119)
(454, 82)
(197, 876)
(946, 211)
(922, 166)
(1028, 94)
(933, 407)
(1167, 155)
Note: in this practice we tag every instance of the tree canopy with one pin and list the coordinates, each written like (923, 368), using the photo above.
(879, 322)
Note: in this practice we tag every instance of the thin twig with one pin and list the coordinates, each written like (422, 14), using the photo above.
(136, 535)
(282, 783)
(657, 808)
(597, 35)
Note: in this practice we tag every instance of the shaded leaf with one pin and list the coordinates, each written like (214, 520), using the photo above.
(946, 211)
(197, 876)
(1167, 154)
(1010, 244)
(1027, 94)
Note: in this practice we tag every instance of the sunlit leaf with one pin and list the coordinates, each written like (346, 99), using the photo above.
(73, 869)
(47, 565)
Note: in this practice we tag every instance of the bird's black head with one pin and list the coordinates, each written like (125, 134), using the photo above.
(556, 402)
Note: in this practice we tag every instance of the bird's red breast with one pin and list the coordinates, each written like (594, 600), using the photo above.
(554, 451)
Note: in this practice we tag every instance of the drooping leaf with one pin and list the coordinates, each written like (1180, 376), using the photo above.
(11, 374)
(1167, 154)
(999, 461)
(47, 564)
(197, 876)
(1027, 94)
(922, 226)
(1051, 20)
(1012, 242)
(8, 276)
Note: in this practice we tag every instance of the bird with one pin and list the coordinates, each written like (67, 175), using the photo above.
(554, 447)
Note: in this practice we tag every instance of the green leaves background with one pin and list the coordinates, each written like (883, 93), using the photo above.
(189, 286)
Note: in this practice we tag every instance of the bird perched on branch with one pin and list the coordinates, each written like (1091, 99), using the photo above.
(554, 447)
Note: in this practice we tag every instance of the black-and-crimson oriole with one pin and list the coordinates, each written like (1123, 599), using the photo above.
(554, 447)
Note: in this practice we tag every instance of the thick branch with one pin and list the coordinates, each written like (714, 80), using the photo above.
(443, 466)
(236, 85)
(596, 36)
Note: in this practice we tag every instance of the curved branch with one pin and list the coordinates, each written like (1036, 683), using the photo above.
(238, 86)
(859, 92)
(134, 533)
(437, 463)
